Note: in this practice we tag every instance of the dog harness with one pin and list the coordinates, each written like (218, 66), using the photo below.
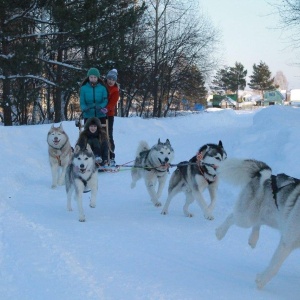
(149, 168)
(58, 156)
(203, 169)
(83, 180)
(276, 189)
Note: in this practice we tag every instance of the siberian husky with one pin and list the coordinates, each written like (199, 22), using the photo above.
(152, 164)
(60, 152)
(194, 176)
(82, 175)
(265, 199)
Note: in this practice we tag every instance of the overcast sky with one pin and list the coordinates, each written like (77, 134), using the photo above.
(249, 35)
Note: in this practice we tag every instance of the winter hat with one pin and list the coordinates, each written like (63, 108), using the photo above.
(92, 121)
(93, 71)
(112, 74)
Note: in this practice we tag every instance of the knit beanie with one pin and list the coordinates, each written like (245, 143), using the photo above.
(93, 71)
(112, 74)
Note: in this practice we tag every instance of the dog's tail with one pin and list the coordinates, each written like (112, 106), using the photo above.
(143, 146)
(242, 171)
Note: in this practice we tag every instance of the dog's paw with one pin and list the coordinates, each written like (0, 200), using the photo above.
(157, 204)
(132, 185)
(82, 219)
(209, 217)
(219, 233)
(53, 186)
(164, 212)
(252, 243)
(92, 205)
(260, 282)
(188, 214)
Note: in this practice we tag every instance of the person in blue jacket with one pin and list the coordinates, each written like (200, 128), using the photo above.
(93, 96)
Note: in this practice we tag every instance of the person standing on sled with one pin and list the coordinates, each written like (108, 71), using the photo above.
(93, 96)
(97, 138)
(113, 98)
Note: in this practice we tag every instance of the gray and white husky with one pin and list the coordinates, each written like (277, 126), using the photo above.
(152, 164)
(82, 175)
(265, 199)
(194, 176)
(59, 152)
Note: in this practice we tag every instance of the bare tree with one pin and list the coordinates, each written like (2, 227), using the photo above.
(179, 40)
(281, 81)
(289, 13)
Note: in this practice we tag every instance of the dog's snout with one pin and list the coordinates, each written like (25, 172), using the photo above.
(81, 166)
(166, 159)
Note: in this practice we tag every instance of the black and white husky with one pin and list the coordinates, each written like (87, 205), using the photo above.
(81, 175)
(194, 176)
(152, 164)
(265, 199)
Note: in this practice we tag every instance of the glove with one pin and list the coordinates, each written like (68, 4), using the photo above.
(103, 110)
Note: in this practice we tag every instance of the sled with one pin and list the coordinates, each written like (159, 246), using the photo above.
(80, 124)
(108, 169)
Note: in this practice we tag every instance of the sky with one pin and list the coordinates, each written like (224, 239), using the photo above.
(127, 249)
(249, 35)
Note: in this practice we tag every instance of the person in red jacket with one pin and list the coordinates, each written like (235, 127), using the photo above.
(113, 98)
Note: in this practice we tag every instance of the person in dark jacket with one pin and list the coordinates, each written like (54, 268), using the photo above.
(96, 138)
(113, 98)
(93, 95)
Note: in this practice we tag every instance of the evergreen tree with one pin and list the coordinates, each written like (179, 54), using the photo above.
(261, 79)
(230, 79)
(18, 64)
(220, 82)
(194, 88)
(236, 78)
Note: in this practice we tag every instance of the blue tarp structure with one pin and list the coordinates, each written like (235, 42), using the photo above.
(198, 107)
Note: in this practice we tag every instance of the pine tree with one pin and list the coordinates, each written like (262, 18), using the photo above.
(18, 51)
(261, 79)
(230, 79)
(220, 83)
(236, 78)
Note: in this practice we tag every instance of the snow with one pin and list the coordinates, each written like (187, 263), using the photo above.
(126, 249)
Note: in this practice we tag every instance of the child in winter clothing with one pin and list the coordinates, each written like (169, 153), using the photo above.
(113, 97)
(96, 138)
(93, 95)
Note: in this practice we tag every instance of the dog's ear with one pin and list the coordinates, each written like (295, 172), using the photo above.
(220, 144)
(168, 142)
(61, 126)
(158, 141)
(52, 126)
(77, 149)
(88, 148)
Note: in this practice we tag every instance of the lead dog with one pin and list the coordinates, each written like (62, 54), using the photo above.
(81, 176)
(152, 164)
(194, 176)
(265, 199)
(59, 152)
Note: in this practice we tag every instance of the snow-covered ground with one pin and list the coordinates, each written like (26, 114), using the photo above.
(126, 249)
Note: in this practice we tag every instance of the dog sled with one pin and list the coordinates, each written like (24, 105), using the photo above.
(111, 167)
